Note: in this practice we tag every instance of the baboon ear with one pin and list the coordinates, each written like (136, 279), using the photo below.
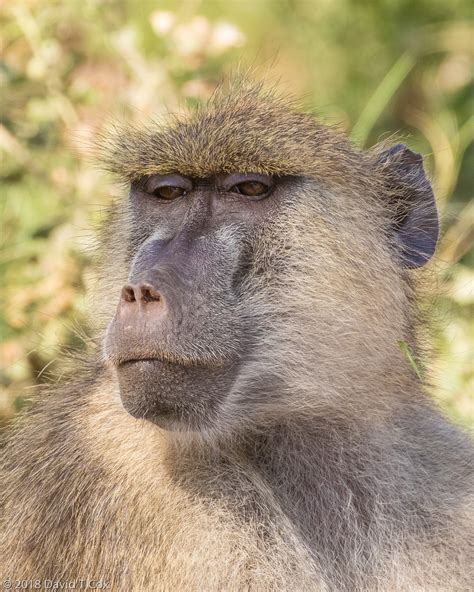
(411, 198)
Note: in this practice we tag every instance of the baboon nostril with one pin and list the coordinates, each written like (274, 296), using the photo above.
(128, 294)
(143, 293)
(149, 294)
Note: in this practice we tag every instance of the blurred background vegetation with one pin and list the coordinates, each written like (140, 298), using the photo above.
(374, 67)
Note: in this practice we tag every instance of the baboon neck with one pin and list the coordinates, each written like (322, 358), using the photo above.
(296, 451)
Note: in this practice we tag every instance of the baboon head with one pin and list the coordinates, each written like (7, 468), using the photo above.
(267, 264)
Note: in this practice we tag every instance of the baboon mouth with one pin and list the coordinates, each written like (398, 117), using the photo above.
(172, 359)
(162, 359)
(139, 360)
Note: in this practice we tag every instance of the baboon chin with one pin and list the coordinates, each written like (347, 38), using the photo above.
(248, 420)
(172, 395)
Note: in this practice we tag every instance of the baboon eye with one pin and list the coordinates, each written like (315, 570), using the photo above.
(251, 188)
(168, 187)
(169, 192)
(252, 185)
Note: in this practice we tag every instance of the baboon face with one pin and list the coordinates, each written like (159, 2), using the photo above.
(181, 332)
(219, 261)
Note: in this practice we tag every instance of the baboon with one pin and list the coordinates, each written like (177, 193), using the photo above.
(249, 421)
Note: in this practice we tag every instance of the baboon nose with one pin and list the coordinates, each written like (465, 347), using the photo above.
(143, 293)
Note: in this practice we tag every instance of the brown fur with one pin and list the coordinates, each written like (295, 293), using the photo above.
(337, 475)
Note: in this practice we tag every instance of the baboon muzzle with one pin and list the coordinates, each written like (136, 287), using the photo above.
(170, 355)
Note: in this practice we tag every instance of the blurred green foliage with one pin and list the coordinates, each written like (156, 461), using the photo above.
(374, 67)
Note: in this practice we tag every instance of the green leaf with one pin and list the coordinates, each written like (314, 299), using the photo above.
(381, 97)
(409, 356)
